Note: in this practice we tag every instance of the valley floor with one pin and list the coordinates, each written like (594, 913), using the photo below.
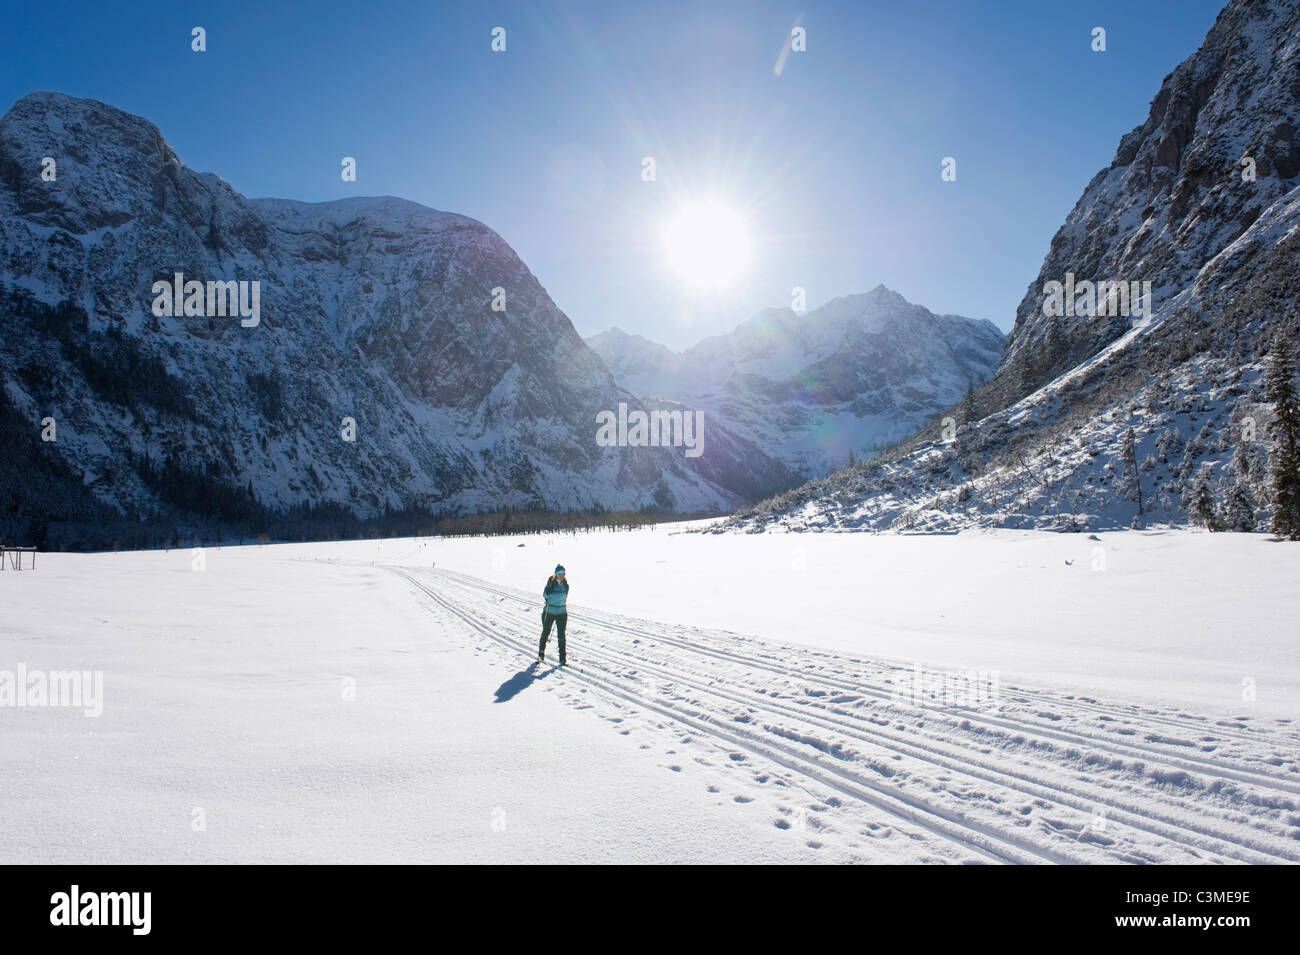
(735, 698)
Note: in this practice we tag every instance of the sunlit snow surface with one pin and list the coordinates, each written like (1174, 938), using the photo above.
(741, 698)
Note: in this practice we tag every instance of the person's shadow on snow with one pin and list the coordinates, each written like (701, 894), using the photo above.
(520, 681)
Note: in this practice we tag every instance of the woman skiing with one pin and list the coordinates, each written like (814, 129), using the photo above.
(555, 593)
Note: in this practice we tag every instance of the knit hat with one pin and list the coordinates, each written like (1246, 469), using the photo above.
(559, 569)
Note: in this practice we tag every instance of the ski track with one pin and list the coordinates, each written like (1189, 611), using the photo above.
(1044, 778)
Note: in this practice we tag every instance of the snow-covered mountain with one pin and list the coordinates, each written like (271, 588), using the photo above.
(377, 310)
(1201, 201)
(857, 374)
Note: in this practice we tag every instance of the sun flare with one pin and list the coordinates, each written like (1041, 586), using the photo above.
(707, 245)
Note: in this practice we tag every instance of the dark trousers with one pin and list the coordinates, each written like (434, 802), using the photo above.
(560, 620)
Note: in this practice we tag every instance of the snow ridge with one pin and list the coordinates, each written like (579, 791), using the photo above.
(857, 374)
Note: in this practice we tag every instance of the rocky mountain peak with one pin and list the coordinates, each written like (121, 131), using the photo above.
(1218, 148)
(374, 310)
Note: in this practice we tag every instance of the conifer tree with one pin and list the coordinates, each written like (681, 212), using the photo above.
(968, 406)
(1132, 477)
(1202, 509)
(1239, 512)
(1284, 458)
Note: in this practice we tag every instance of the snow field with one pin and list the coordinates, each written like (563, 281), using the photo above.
(740, 698)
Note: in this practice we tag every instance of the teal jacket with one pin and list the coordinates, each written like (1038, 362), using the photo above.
(555, 593)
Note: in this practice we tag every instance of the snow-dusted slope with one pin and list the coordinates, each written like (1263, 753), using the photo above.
(375, 309)
(856, 374)
(1040, 445)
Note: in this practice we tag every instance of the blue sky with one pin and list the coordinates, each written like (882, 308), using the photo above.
(834, 164)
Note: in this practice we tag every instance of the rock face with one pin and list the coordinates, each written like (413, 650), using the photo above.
(855, 375)
(1219, 151)
(1099, 421)
(377, 309)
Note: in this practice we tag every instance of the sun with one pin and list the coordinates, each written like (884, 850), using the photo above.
(707, 245)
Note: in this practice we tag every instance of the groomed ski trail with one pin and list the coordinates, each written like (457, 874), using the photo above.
(823, 740)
